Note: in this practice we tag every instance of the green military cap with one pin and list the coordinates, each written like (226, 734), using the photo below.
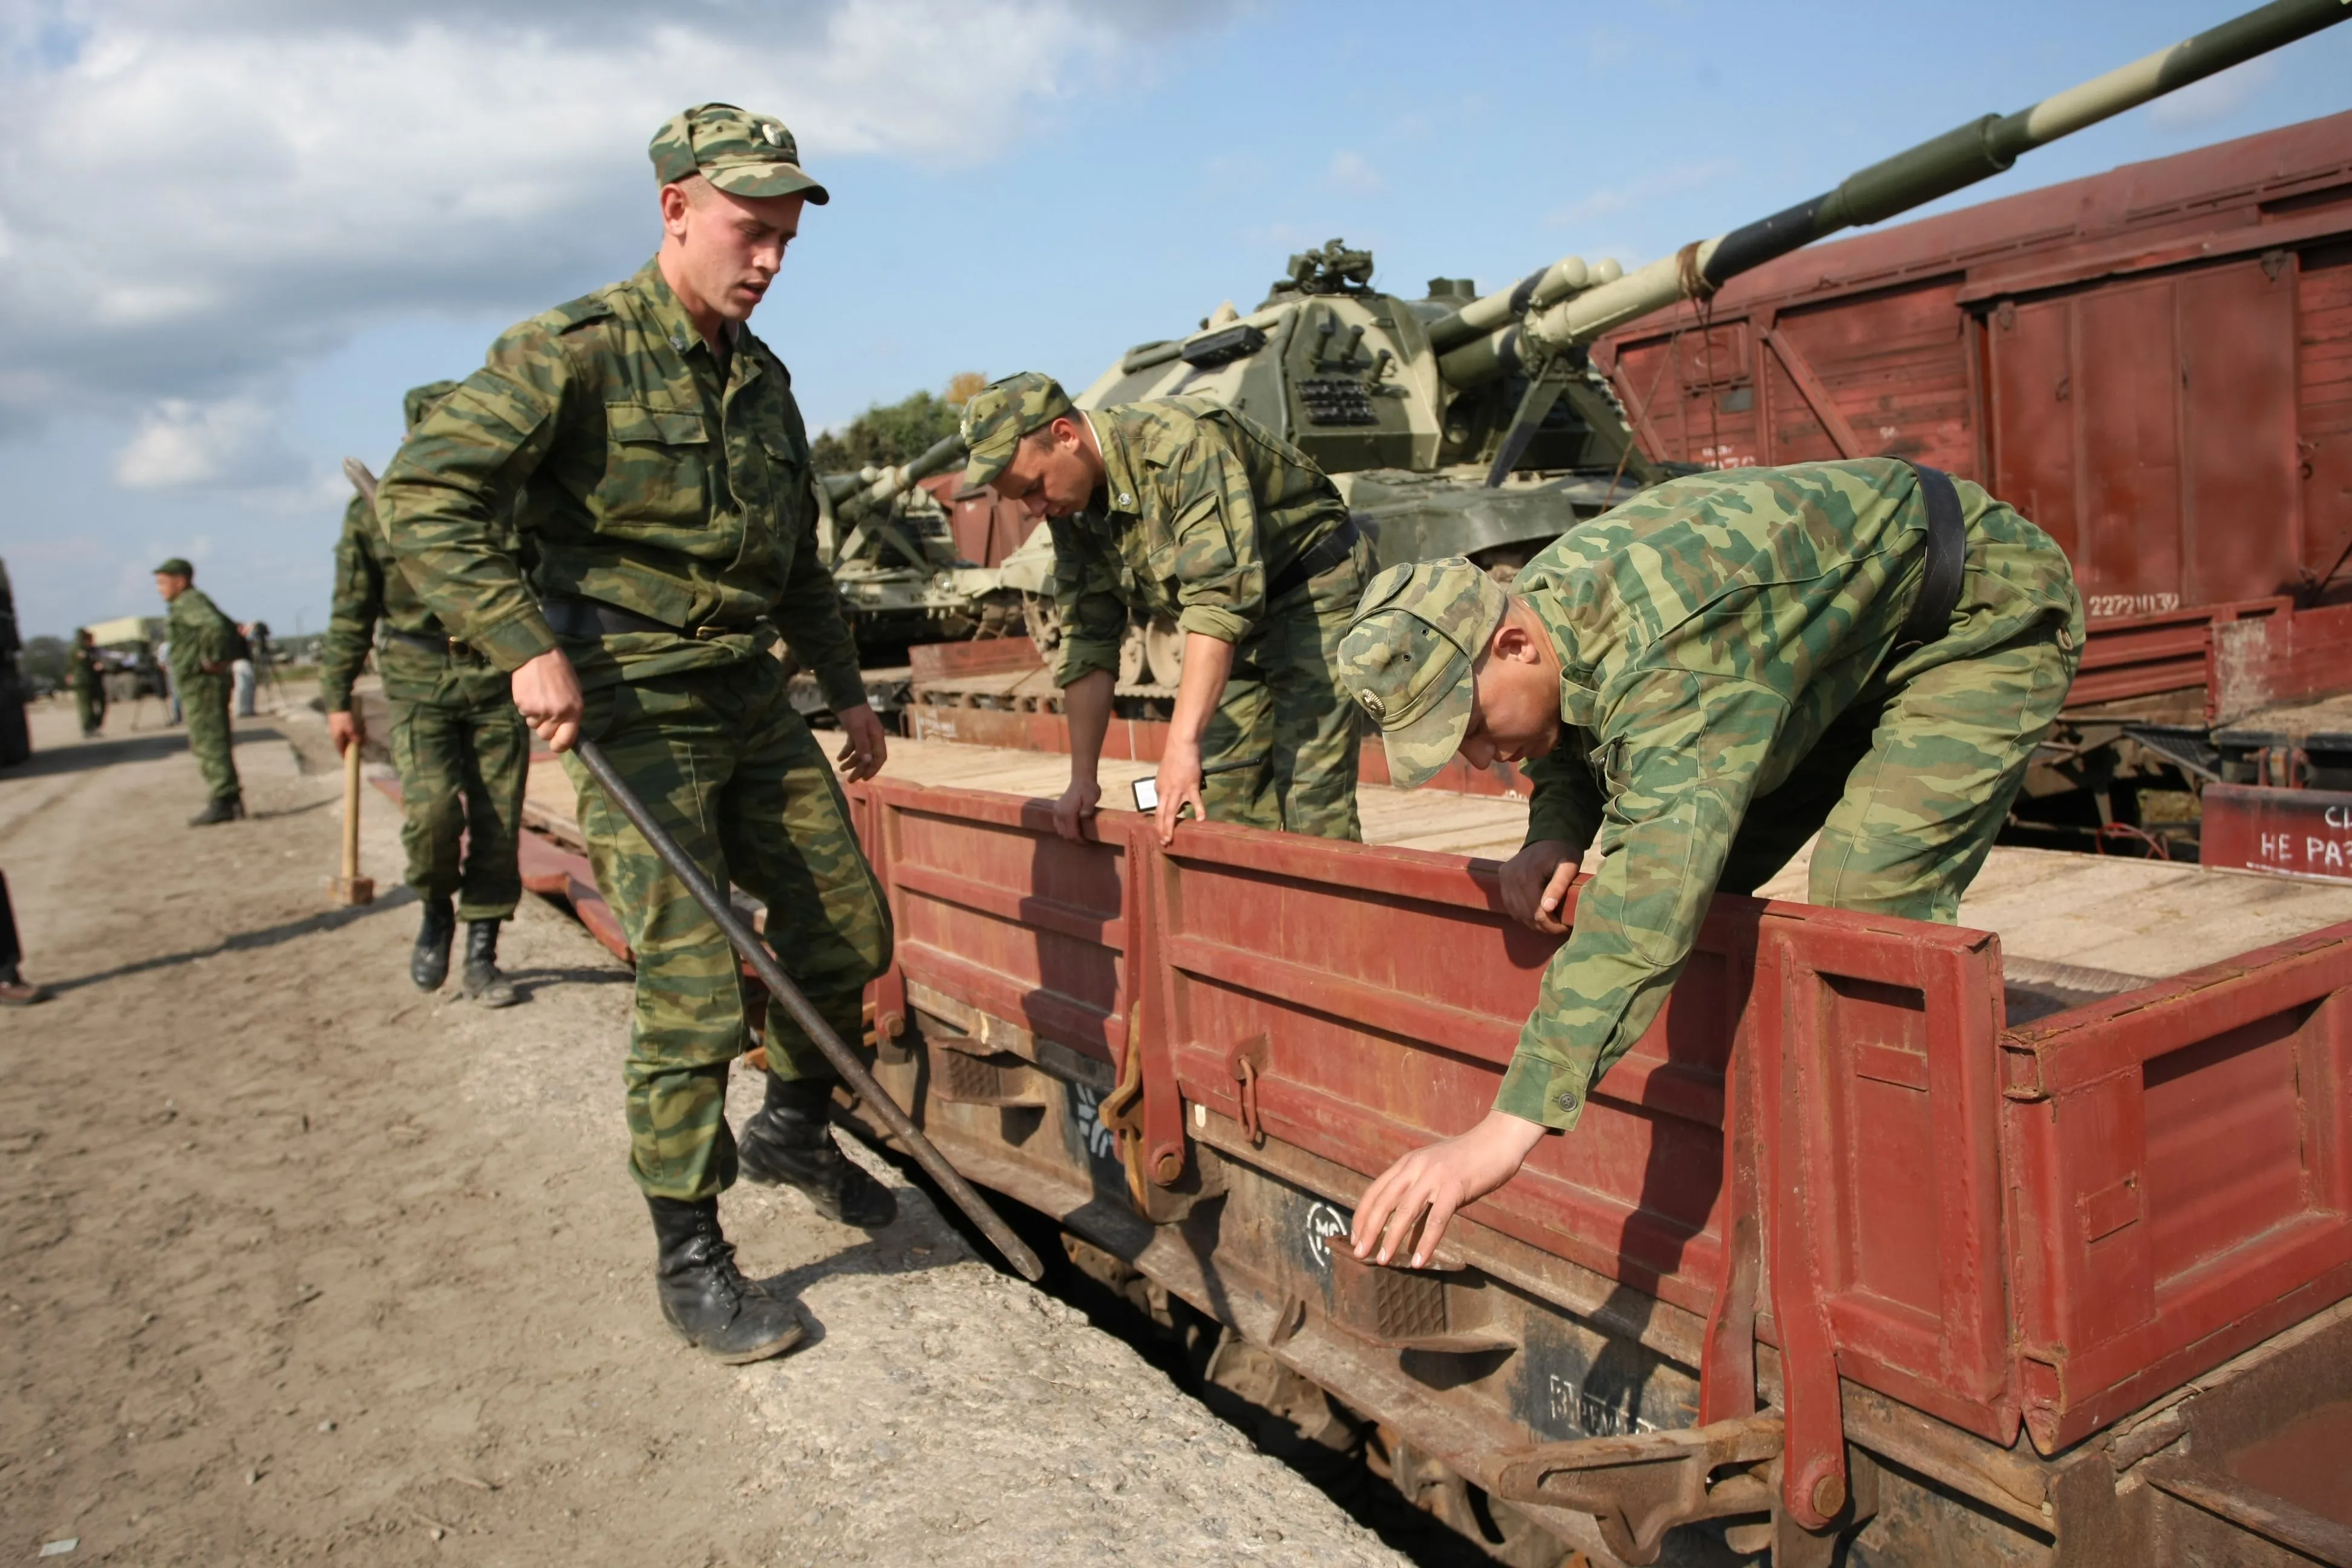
(1003, 412)
(419, 401)
(1408, 658)
(742, 153)
(175, 567)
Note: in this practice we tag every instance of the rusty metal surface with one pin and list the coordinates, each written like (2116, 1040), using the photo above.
(2154, 1235)
(2181, 1162)
(2285, 832)
(2155, 364)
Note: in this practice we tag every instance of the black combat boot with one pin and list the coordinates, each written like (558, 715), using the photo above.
(428, 964)
(790, 1141)
(224, 808)
(483, 983)
(712, 1307)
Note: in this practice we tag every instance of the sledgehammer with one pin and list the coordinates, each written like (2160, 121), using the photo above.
(771, 974)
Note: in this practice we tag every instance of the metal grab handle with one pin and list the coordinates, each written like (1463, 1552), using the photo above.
(771, 974)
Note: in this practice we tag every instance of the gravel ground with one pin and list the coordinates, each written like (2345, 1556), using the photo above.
(297, 1264)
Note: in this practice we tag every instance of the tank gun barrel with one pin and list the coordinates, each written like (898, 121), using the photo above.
(1975, 151)
(860, 492)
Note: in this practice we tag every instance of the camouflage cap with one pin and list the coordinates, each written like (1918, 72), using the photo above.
(419, 401)
(742, 153)
(1409, 657)
(175, 567)
(1003, 412)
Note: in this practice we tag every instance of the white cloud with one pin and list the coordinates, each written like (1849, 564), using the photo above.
(199, 199)
(2217, 96)
(182, 444)
(1353, 173)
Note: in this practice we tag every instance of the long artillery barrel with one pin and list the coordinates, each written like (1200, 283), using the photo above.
(1567, 304)
(854, 493)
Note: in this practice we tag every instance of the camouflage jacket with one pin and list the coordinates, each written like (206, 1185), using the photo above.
(199, 634)
(371, 588)
(1709, 632)
(652, 479)
(85, 670)
(1201, 509)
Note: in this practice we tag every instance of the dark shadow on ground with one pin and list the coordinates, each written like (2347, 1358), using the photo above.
(89, 754)
(319, 804)
(269, 936)
(528, 983)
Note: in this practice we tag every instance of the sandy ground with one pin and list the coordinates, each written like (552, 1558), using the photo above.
(296, 1263)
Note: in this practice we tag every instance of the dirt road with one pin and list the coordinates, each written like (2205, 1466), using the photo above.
(298, 1264)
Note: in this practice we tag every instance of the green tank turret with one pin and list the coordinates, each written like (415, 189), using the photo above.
(909, 566)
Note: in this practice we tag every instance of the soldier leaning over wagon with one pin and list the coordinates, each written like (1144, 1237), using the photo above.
(1183, 507)
(457, 741)
(668, 511)
(1700, 681)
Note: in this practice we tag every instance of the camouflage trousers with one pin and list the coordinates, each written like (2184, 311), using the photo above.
(204, 704)
(90, 706)
(1908, 788)
(462, 766)
(722, 758)
(1285, 701)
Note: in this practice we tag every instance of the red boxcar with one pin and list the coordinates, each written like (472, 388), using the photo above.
(2154, 364)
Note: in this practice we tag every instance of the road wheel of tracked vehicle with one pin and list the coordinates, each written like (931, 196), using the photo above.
(1044, 619)
(1164, 651)
(1130, 655)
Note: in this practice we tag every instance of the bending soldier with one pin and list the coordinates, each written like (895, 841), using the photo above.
(669, 510)
(86, 674)
(457, 741)
(1701, 680)
(1181, 507)
(204, 643)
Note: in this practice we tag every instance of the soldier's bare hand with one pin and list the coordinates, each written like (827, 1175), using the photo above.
(546, 695)
(1179, 782)
(1076, 806)
(345, 731)
(1420, 1193)
(1535, 883)
(867, 745)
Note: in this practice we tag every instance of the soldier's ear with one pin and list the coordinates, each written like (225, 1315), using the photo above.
(1512, 643)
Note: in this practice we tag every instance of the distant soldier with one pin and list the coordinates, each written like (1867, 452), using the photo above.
(204, 643)
(461, 749)
(670, 518)
(1182, 507)
(1700, 681)
(86, 676)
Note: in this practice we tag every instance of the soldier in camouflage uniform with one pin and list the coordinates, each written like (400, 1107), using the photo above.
(86, 677)
(459, 745)
(669, 513)
(1701, 680)
(1182, 507)
(204, 642)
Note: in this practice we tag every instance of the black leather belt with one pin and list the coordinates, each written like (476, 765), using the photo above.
(1336, 546)
(432, 644)
(588, 619)
(1947, 558)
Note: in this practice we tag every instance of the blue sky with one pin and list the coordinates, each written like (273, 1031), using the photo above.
(227, 245)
